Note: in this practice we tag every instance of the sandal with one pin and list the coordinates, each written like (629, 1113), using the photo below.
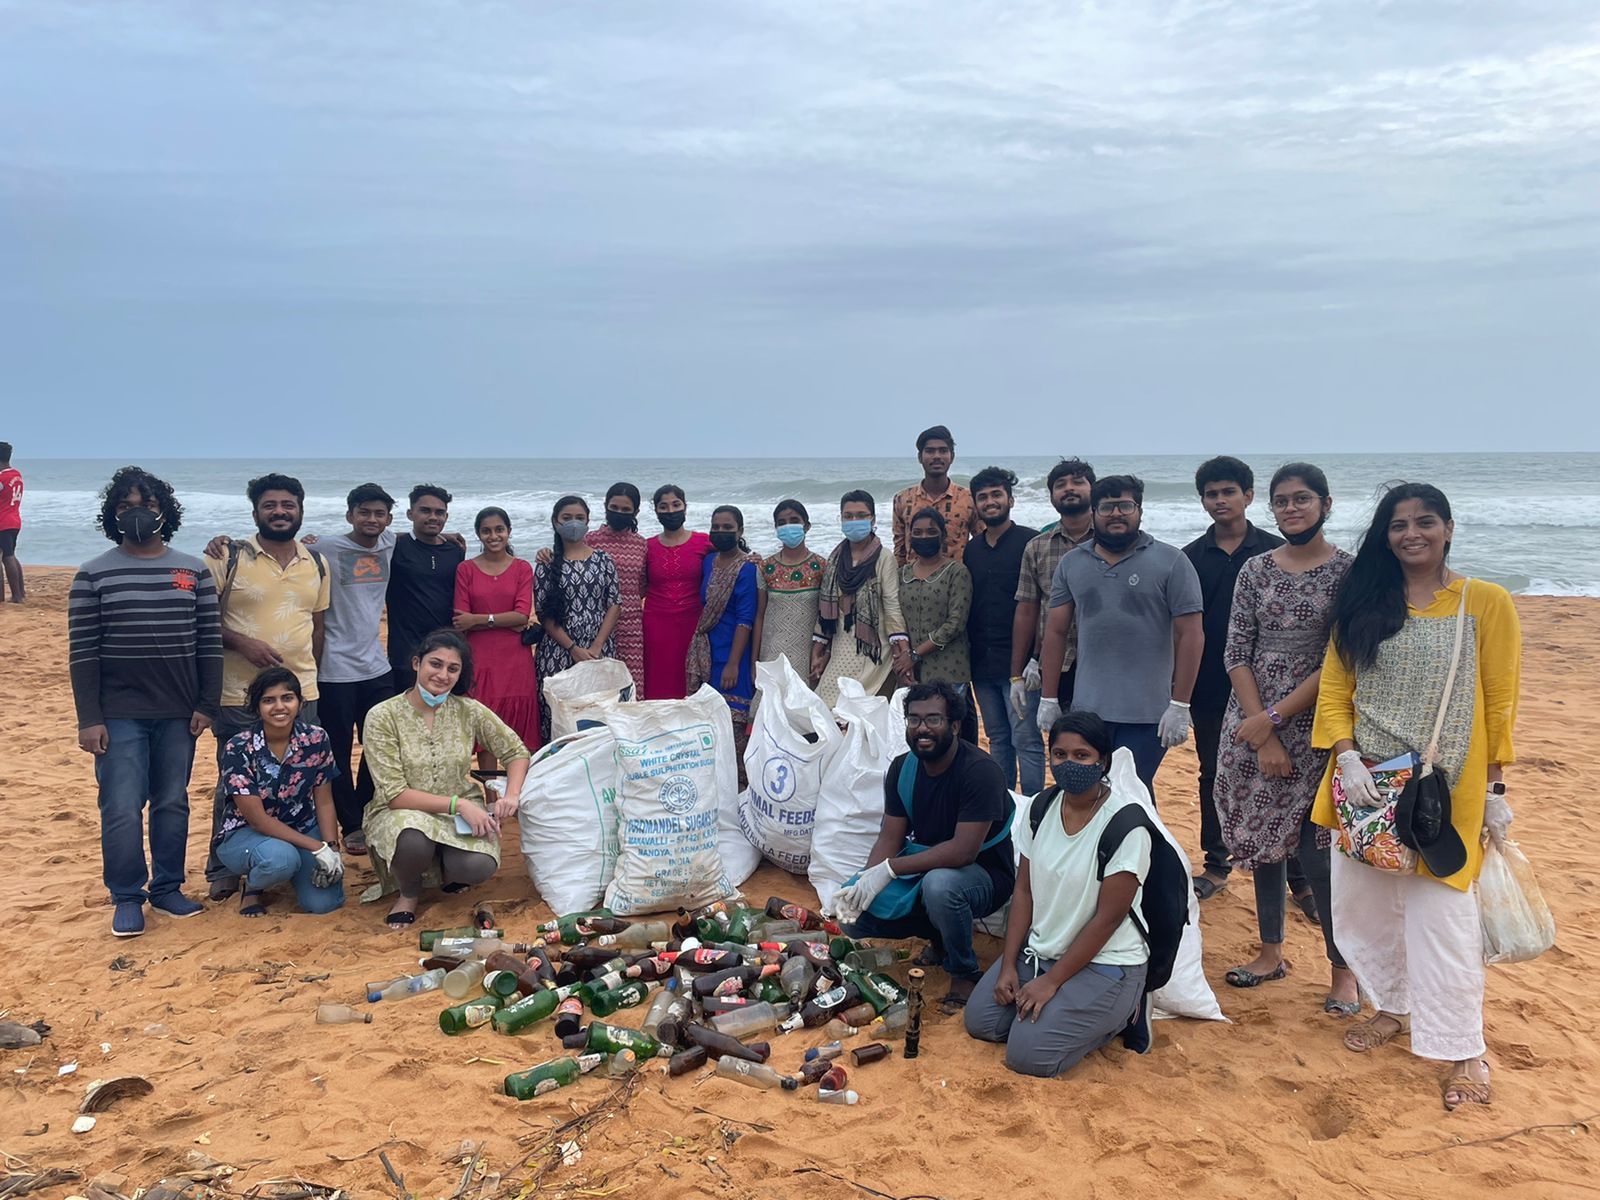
(1206, 886)
(1369, 1035)
(954, 1001)
(453, 889)
(1306, 902)
(1341, 1008)
(252, 904)
(355, 842)
(1244, 977)
(1466, 1090)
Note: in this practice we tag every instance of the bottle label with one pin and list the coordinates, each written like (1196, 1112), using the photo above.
(545, 1085)
(706, 957)
(571, 1005)
(832, 998)
(477, 1014)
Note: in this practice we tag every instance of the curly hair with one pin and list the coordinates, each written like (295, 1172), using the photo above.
(123, 482)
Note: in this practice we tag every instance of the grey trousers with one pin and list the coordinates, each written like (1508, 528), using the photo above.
(1086, 1012)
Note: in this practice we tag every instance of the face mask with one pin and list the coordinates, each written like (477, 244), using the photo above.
(791, 535)
(621, 521)
(139, 524)
(724, 539)
(858, 530)
(1305, 535)
(926, 547)
(671, 521)
(429, 698)
(1076, 778)
(572, 531)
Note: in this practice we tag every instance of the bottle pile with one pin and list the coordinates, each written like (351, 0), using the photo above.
(718, 985)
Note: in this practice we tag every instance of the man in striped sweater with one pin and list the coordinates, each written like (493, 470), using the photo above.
(146, 666)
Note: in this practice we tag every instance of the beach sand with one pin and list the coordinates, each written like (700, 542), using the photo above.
(217, 1013)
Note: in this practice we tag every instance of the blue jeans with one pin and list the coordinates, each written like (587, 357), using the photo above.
(1145, 745)
(266, 862)
(1014, 742)
(950, 900)
(144, 762)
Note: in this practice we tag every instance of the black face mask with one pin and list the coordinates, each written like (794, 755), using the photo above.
(1116, 543)
(139, 524)
(621, 521)
(724, 539)
(671, 521)
(927, 547)
(1305, 535)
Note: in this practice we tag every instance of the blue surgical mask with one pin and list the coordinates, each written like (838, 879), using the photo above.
(791, 535)
(1075, 778)
(429, 698)
(857, 531)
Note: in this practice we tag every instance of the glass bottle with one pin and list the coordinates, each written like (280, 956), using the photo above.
(548, 1076)
(756, 1075)
(341, 1014)
(471, 1015)
(408, 985)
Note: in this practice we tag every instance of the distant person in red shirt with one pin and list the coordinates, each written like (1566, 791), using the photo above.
(10, 524)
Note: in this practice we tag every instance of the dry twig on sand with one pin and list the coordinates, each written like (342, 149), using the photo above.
(23, 1182)
(853, 1183)
(1579, 1125)
(546, 1147)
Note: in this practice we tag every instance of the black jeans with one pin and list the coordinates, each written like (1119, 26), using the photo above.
(1269, 882)
(343, 708)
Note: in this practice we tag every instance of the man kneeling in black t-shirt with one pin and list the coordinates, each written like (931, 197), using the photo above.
(946, 836)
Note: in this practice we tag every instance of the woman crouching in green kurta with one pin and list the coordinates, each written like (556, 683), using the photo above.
(419, 748)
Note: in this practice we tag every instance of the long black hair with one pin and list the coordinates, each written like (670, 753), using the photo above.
(738, 519)
(1371, 605)
(1089, 727)
(150, 486)
(555, 601)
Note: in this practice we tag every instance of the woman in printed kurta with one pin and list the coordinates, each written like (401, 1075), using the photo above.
(1267, 770)
(419, 747)
(1414, 938)
(577, 599)
(935, 597)
(860, 631)
(672, 598)
(790, 582)
(619, 537)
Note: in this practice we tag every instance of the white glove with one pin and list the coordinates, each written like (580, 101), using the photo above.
(851, 901)
(1032, 676)
(1497, 818)
(1174, 727)
(330, 867)
(1049, 710)
(1019, 698)
(1358, 784)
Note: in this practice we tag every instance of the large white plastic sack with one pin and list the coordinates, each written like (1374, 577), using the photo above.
(567, 819)
(1187, 993)
(850, 808)
(676, 768)
(792, 736)
(739, 858)
(897, 744)
(583, 686)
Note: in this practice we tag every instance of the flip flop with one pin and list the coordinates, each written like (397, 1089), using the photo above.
(1243, 977)
(258, 908)
(1467, 1090)
(955, 1001)
(1206, 887)
(399, 920)
(454, 889)
(1367, 1036)
(355, 843)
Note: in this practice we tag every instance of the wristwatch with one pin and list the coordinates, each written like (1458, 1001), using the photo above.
(1497, 788)
(1275, 717)
(491, 620)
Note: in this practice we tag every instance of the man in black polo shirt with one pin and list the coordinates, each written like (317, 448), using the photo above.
(1226, 487)
(994, 560)
(422, 579)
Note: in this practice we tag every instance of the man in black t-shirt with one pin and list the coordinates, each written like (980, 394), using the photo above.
(958, 819)
(422, 579)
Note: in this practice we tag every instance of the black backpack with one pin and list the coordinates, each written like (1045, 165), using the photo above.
(1163, 909)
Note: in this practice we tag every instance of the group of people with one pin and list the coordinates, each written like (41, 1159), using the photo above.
(1070, 644)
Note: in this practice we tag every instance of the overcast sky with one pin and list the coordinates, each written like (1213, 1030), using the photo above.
(811, 227)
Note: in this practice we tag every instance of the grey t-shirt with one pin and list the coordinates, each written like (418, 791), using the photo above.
(358, 581)
(1124, 613)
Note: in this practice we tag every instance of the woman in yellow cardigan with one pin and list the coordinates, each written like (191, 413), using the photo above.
(1413, 938)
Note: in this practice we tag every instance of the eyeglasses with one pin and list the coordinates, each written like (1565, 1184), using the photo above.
(1298, 500)
(932, 722)
(1111, 508)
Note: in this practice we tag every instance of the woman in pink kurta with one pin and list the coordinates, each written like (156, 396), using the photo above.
(619, 538)
(673, 561)
(493, 603)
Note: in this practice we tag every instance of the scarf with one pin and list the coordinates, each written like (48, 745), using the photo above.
(719, 590)
(853, 590)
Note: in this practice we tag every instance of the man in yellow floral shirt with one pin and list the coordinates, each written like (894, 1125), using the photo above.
(936, 451)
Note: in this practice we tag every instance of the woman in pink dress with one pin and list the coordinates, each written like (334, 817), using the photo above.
(673, 562)
(493, 604)
(619, 538)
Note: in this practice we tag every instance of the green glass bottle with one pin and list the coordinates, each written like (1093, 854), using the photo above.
(569, 919)
(603, 1004)
(470, 1015)
(864, 985)
(739, 923)
(770, 990)
(608, 1039)
(548, 1076)
(428, 937)
(841, 948)
(529, 1009)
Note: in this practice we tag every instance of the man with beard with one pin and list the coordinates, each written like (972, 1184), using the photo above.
(936, 453)
(146, 664)
(422, 587)
(274, 592)
(944, 844)
(1138, 606)
(1070, 482)
(994, 560)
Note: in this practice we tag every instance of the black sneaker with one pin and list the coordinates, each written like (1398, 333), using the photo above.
(1139, 1036)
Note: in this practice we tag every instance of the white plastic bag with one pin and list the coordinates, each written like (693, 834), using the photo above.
(1517, 924)
(582, 686)
(850, 808)
(739, 858)
(567, 819)
(791, 736)
(675, 769)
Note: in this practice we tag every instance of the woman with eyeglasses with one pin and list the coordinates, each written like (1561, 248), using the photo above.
(1267, 769)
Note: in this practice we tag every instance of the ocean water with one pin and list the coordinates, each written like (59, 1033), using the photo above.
(1528, 521)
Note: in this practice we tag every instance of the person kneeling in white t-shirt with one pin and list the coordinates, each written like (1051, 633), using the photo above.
(1073, 969)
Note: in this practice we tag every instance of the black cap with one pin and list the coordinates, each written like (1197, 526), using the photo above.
(1422, 822)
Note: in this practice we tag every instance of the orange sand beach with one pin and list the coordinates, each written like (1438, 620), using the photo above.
(216, 1012)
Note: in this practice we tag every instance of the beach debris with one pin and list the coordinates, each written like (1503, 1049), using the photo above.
(122, 963)
(156, 1030)
(20, 1183)
(37, 1131)
(70, 1068)
(16, 1037)
(83, 1125)
(103, 1093)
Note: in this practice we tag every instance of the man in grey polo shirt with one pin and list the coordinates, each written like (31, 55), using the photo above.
(1138, 605)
